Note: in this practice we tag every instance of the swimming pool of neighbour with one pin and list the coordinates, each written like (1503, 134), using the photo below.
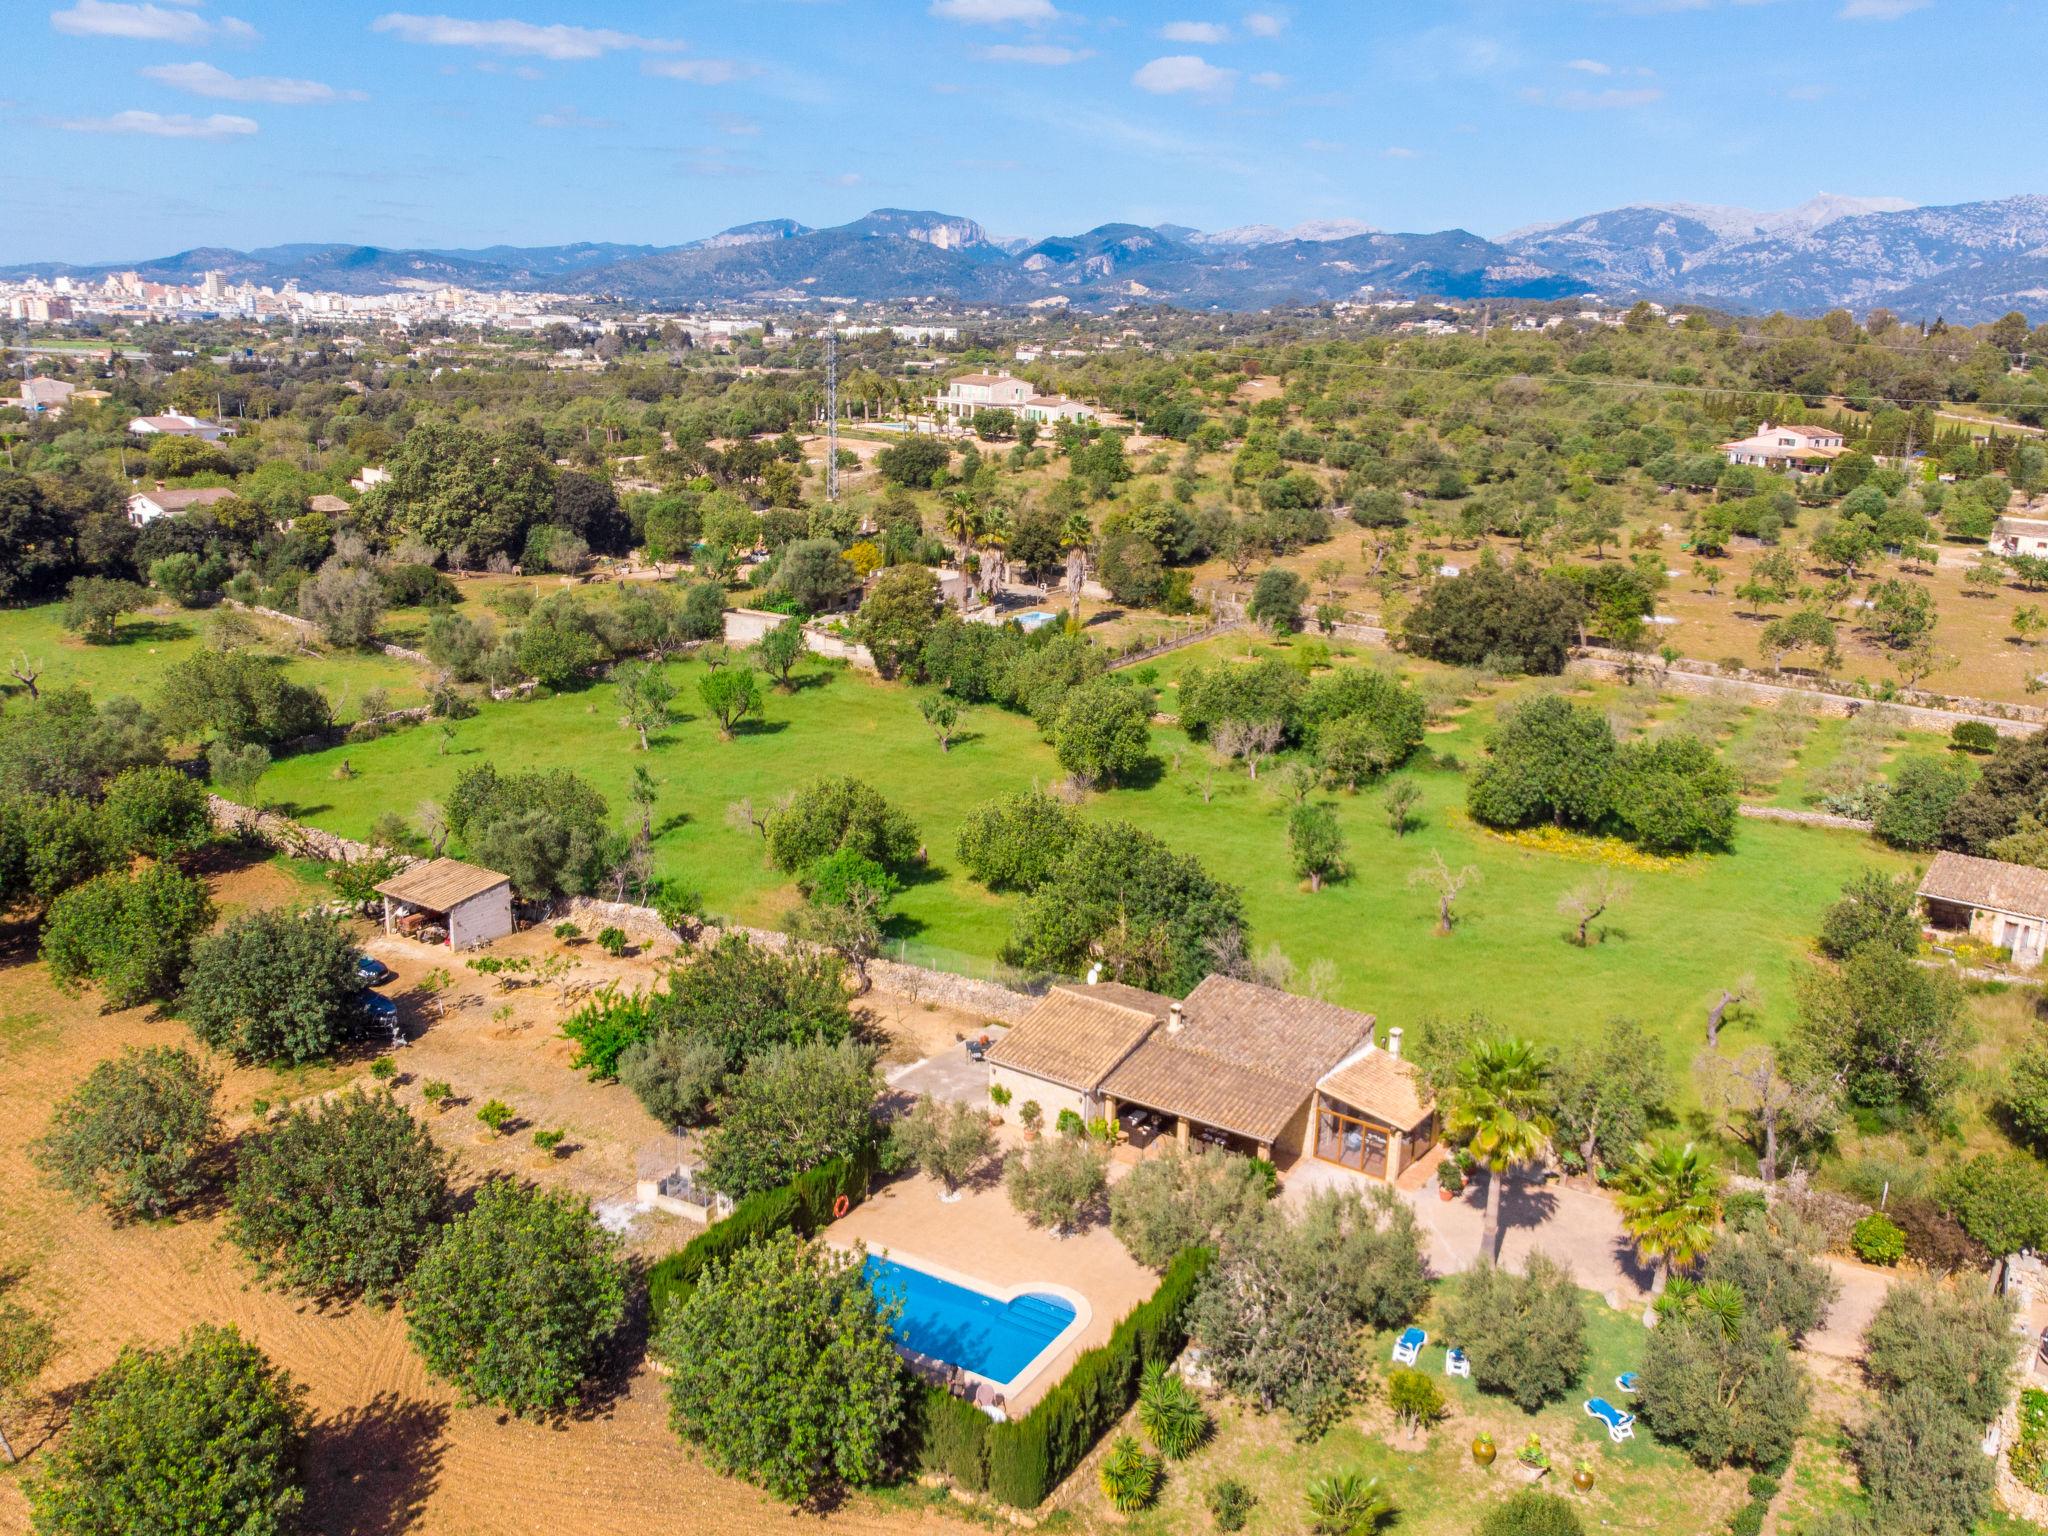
(995, 1339)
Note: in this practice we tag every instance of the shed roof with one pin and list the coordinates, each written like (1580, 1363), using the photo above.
(1383, 1086)
(1076, 1035)
(327, 503)
(442, 885)
(1167, 1075)
(2018, 889)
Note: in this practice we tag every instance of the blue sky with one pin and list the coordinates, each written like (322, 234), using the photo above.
(140, 127)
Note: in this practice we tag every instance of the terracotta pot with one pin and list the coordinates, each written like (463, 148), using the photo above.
(1582, 1480)
(1483, 1452)
(1444, 1195)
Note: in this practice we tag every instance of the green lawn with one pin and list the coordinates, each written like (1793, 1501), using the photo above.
(1683, 932)
(151, 641)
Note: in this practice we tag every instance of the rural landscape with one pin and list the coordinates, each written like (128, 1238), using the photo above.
(867, 877)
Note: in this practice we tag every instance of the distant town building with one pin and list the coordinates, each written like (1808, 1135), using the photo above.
(1785, 447)
(148, 506)
(177, 424)
(1002, 391)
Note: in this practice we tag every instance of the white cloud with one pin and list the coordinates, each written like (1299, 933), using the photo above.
(569, 117)
(1033, 53)
(555, 41)
(146, 23)
(1398, 152)
(1179, 72)
(207, 80)
(996, 13)
(698, 71)
(1195, 32)
(1879, 10)
(1265, 24)
(1271, 79)
(843, 179)
(165, 125)
(1590, 67)
(1610, 100)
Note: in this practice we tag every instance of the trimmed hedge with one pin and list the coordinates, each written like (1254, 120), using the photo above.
(1022, 1461)
(804, 1203)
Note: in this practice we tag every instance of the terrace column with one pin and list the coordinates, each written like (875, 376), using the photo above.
(1397, 1148)
(1266, 1151)
(1109, 1108)
(1180, 1131)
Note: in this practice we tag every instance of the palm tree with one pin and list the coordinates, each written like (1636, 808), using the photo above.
(1076, 534)
(1670, 1202)
(1348, 1504)
(963, 519)
(1499, 1105)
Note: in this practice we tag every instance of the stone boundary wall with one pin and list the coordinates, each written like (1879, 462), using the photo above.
(1178, 643)
(288, 836)
(308, 627)
(746, 626)
(1804, 818)
(966, 992)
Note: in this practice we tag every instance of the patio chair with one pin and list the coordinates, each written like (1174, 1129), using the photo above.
(1620, 1426)
(1455, 1364)
(1409, 1345)
(1626, 1381)
(976, 1051)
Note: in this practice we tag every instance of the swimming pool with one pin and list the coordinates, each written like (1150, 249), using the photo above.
(994, 1339)
(1034, 620)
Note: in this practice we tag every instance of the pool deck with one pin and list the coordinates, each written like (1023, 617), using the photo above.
(980, 1239)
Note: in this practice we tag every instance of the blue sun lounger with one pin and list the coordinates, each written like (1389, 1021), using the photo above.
(1409, 1345)
(1620, 1426)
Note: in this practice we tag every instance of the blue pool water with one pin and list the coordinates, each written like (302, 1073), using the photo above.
(1037, 618)
(949, 1322)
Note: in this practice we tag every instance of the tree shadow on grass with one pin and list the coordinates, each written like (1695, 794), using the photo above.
(760, 728)
(373, 1468)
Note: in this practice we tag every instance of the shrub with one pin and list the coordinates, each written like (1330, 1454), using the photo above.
(1415, 1397)
(1525, 1334)
(1954, 1340)
(1348, 1504)
(674, 1074)
(1230, 1504)
(1925, 792)
(1276, 601)
(273, 986)
(1529, 1512)
(1057, 1183)
(606, 1026)
(2028, 1456)
(341, 1200)
(517, 1300)
(946, 1140)
(1922, 1465)
(1171, 1413)
(1015, 843)
(132, 934)
(1722, 1393)
(1167, 1204)
(1877, 1239)
(1782, 1287)
(202, 1437)
(1129, 1475)
(1872, 910)
(837, 812)
(783, 1367)
(2001, 1201)
(1973, 736)
(612, 941)
(136, 1135)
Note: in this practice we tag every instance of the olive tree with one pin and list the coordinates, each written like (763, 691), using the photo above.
(274, 986)
(136, 1136)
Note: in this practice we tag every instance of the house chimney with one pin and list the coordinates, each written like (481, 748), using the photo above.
(1173, 1019)
(1094, 973)
(1394, 1041)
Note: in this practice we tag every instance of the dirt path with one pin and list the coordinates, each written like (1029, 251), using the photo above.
(391, 1451)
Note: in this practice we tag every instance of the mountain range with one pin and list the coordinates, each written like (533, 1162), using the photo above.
(1969, 262)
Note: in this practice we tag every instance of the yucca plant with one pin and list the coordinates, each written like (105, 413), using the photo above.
(1171, 1413)
(1348, 1504)
(1129, 1476)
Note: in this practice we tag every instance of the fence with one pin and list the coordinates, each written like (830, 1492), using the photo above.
(1177, 643)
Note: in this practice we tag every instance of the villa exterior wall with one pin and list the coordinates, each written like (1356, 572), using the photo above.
(1051, 1097)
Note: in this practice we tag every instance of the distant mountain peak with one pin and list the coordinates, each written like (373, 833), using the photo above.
(1313, 230)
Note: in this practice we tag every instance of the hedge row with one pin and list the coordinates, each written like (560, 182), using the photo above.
(1022, 1461)
(804, 1203)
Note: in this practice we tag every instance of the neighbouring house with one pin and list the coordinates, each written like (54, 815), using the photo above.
(177, 424)
(1782, 447)
(1997, 903)
(470, 904)
(2020, 536)
(45, 397)
(1235, 1065)
(971, 392)
(371, 475)
(333, 506)
(148, 506)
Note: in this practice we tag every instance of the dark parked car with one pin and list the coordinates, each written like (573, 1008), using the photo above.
(372, 972)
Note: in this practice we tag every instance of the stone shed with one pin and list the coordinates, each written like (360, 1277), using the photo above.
(473, 905)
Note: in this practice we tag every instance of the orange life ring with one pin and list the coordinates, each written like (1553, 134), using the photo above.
(840, 1207)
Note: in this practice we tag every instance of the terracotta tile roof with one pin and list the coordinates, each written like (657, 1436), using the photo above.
(1165, 1075)
(1076, 1035)
(2029, 525)
(178, 501)
(2018, 889)
(1293, 1038)
(325, 503)
(1384, 1087)
(440, 885)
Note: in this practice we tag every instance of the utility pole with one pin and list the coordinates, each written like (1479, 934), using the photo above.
(831, 415)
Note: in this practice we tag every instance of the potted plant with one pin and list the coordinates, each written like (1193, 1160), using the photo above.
(1450, 1180)
(1534, 1458)
(999, 1096)
(1029, 1113)
(1482, 1449)
(1582, 1475)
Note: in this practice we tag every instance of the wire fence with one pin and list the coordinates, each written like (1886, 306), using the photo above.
(954, 962)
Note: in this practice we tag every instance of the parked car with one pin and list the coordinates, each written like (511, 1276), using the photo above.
(379, 1010)
(372, 972)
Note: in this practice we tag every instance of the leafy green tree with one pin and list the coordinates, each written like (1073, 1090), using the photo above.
(2012, 782)
(814, 575)
(1525, 1334)
(1783, 1288)
(791, 1108)
(458, 487)
(1922, 1465)
(130, 934)
(1182, 1200)
(1102, 735)
(2025, 1098)
(1674, 795)
(780, 650)
(1607, 1090)
(945, 1140)
(96, 604)
(47, 846)
(1919, 798)
(1550, 760)
(517, 1300)
(547, 831)
(63, 743)
(1277, 599)
(645, 692)
(27, 1344)
(674, 1074)
(136, 1135)
(346, 602)
(783, 1369)
(1507, 614)
(1874, 910)
(274, 985)
(746, 999)
(2001, 1199)
(1057, 1182)
(1884, 1028)
(156, 811)
(1015, 842)
(236, 767)
(203, 1437)
(340, 1200)
(1669, 1197)
(1500, 1104)
(1722, 1394)
(837, 812)
(1317, 843)
(1955, 1341)
(914, 463)
(237, 696)
(730, 696)
(898, 616)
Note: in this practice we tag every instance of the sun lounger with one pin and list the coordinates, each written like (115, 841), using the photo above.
(1455, 1363)
(1620, 1426)
(1626, 1381)
(1409, 1345)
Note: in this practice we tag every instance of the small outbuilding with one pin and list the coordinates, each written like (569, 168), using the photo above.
(472, 905)
(1992, 901)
